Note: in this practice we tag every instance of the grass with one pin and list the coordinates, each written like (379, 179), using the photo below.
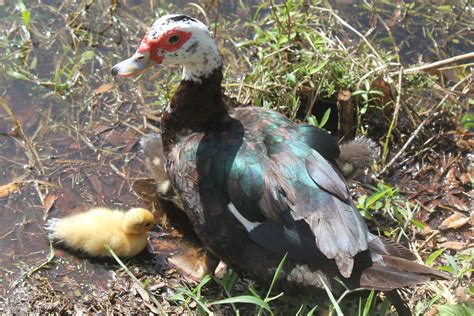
(292, 56)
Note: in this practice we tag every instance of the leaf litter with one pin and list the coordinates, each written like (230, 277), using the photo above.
(80, 149)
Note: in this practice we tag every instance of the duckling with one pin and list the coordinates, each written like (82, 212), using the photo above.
(152, 148)
(89, 232)
(356, 156)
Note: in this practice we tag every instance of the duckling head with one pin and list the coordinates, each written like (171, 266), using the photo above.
(138, 221)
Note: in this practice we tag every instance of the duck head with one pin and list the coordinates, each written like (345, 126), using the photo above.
(138, 221)
(174, 40)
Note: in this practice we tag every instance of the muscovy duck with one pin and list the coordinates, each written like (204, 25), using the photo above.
(355, 157)
(257, 186)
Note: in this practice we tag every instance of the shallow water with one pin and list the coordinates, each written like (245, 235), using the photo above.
(77, 146)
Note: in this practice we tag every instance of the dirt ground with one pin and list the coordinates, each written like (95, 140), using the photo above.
(69, 140)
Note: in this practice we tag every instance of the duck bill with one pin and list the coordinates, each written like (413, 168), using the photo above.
(134, 65)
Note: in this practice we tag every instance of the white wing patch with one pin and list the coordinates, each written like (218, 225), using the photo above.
(249, 226)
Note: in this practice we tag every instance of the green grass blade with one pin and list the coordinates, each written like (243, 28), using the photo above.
(135, 280)
(247, 299)
(368, 303)
(24, 13)
(276, 276)
(432, 257)
(331, 298)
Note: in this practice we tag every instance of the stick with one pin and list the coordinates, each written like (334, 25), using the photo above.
(418, 129)
(437, 64)
(395, 116)
(135, 280)
(34, 156)
(347, 25)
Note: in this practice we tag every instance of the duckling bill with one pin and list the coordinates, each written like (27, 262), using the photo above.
(89, 232)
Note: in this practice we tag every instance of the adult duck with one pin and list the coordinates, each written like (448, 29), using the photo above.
(257, 186)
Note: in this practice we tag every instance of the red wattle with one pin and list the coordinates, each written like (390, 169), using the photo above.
(155, 45)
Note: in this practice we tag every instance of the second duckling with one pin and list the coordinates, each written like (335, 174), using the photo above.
(124, 232)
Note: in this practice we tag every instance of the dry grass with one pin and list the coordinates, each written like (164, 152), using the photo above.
(69, 132)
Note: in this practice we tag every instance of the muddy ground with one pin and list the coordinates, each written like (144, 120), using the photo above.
(69, 140)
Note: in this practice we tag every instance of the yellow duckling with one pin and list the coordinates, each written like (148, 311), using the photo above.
(89, 232)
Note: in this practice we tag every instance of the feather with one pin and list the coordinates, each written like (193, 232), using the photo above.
(379, 245)
(326, 177)
(320, 140)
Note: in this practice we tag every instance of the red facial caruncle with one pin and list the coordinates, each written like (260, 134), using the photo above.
(168, 42)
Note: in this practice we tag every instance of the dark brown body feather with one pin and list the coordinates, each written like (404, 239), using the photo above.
(219, 158)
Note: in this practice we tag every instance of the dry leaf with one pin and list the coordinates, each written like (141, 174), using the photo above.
(462, 294)
(457, 202)
(144, 294)
(113, 137)
(465, 178)
(432, 312)
(49, 201)
(192, 266)
(97, 185)
(75, 146)
(454, 221)
(7, 189)
(101, 128)
(131, 143)
(452, 245)
(152, 308)
(104, 88)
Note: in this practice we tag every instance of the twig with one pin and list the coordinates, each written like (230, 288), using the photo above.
(389, 32)
(437, 64)
(275, 14)
(135, 280)
(33, 154)
(376, 70)
(201, 10)
(422, 124)
(46, 263)
(395, 115)
(344, 23)
(218, 9)
(423, 245)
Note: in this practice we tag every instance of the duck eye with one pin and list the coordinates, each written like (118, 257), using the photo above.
(173, 39)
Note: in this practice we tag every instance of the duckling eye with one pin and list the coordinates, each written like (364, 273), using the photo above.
(147, 224)
(173, 39)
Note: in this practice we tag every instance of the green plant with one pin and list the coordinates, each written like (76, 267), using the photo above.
(368, 95)
(255, 298)
(185, 295)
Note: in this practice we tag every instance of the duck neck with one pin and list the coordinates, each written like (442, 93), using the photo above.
(195, 107)
(204, 63)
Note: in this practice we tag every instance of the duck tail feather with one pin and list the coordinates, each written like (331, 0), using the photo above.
(391, 272)
(384, 246)
(413, 267)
